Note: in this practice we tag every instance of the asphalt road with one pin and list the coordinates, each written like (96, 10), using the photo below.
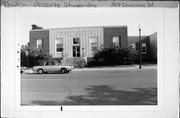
(129, 87)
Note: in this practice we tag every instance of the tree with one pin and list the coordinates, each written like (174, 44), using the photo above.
(34, 26)
(35, 56)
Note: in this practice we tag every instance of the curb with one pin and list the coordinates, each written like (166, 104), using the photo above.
(114, 68)
(132, 68)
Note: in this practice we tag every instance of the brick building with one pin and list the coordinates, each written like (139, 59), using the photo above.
(149, 46)
(78, 41)
(82, 41)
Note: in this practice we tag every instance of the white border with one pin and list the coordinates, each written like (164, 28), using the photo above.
(167, 74)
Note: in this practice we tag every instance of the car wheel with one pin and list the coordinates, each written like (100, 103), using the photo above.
(40, 71)
(63, 70)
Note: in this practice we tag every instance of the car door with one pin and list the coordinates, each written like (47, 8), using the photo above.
(46, 67)
(52, 66)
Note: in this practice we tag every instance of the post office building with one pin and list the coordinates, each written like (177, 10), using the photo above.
(78, 41)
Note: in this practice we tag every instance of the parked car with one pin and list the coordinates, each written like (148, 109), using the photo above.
(52, 66)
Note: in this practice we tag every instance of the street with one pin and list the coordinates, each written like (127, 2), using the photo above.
(117, 87)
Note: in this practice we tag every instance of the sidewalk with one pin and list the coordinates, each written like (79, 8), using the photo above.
(108, 68)
(121, 67)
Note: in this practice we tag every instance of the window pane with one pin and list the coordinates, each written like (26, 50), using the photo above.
(76, 41)
(143, 44)
(93, 40)
(143, 48)
(39, 46)
(93, 50)
(94, 45)
(116, 41)
(59, 41)
(76, 51)
(39, 43)
(47, 63)
(59, 45)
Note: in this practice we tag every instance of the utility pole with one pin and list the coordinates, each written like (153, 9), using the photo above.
(27, 54)
(140, 56)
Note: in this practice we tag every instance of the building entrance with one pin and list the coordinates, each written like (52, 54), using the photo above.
(76, 47)
(76, 51)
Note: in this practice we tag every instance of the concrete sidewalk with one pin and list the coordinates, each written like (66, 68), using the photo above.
(109, 68)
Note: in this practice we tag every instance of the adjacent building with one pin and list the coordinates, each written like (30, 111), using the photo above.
(148, 46)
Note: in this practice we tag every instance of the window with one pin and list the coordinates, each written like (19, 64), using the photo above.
(133, 45)
(116, 41)
(143, 48)
(39, 43)
(76, 41)
(47, 64)
(59, 45)
(94, 45)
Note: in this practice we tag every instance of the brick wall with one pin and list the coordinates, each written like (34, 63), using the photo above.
(145, 57)
(40, 34)
(144, 39)
(110, 32)
(153, 44)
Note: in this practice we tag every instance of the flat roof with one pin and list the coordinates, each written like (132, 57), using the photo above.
(80, 27)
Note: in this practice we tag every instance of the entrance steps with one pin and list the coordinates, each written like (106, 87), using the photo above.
(77, 62)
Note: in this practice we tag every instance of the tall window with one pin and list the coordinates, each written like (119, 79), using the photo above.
(39, 43)
(94, 45)
(144, 51)
(59, 45)
(116, 41)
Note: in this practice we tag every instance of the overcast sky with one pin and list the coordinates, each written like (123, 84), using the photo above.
(151, 20)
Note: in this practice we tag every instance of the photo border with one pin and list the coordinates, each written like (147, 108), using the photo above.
(163, 110)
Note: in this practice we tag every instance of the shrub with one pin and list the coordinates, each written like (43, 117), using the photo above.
(114, 55)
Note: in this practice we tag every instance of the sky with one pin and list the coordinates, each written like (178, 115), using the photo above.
(150, 19)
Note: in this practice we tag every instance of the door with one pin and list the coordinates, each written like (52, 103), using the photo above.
(76, 47)
(46, 67)
(76, 51)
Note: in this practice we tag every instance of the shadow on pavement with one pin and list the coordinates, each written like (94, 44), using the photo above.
(106, 95)
(39, 102)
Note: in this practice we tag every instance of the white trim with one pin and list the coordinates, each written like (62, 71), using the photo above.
(56, 52)
(37, 43)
